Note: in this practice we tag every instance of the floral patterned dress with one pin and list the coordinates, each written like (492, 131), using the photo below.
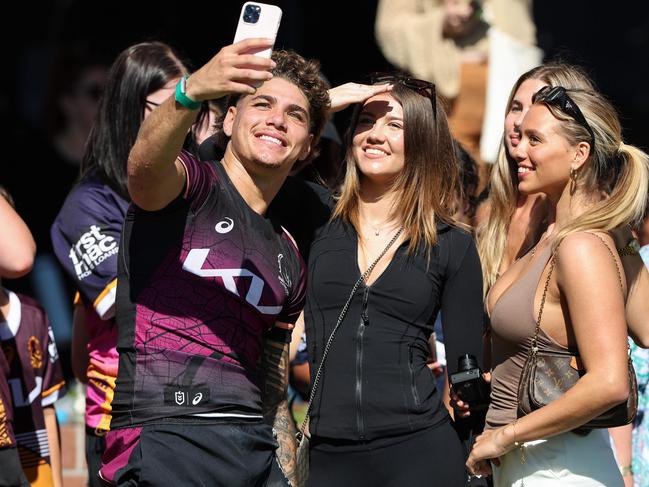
(640, 359)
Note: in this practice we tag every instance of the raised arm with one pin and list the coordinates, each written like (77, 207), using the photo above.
(344, 95)
(155, 174)
(275, 375)
(17, 247)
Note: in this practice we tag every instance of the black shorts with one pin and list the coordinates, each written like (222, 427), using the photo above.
(195, 452)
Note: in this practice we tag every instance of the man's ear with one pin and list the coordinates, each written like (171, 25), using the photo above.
(228, 121)
(307, 149)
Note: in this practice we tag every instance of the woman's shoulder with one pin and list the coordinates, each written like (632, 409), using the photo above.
(585, 242)
(453, 235)
(583, 256)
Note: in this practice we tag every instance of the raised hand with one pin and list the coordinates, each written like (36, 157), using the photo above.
(344, 95)
(232, 70)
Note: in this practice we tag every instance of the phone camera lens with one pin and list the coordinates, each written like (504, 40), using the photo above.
(251, 14)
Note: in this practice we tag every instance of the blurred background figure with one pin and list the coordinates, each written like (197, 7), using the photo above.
(45, 169)
(87, 230)
(470, 49)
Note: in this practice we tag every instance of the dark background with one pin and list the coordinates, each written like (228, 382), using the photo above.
(610, 39)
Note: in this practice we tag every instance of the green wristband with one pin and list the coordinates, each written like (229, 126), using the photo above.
(181, 95)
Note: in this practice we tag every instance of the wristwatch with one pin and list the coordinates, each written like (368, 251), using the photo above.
(181, 95)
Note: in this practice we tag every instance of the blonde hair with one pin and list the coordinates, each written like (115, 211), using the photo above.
(427, 186)
(503, 185)
(613, 168)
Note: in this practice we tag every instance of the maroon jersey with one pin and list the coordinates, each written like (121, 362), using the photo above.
(35, 380)
(199, 283)
(6, 409)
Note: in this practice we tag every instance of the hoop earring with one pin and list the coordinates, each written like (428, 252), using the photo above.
(573, 180)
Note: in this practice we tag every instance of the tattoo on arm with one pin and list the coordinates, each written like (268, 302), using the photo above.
(275, 373)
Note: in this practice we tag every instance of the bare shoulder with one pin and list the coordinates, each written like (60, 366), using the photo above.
(583, 256)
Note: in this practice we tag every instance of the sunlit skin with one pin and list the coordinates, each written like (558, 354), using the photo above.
(521, 103)
(544, 156)
(378, 140)
(269, 128)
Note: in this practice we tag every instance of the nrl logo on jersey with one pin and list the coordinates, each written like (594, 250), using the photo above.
(92, 248)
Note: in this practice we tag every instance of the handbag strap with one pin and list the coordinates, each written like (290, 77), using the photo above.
(534, 348)
(360, 280)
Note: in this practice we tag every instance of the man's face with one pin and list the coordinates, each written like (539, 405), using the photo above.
(270, 129)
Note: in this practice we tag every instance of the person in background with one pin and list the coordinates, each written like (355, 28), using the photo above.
(17, 251)
(631, 442)
(17, 246)
(35, 379)
(88, 227)
(50, 157)
(449, 42)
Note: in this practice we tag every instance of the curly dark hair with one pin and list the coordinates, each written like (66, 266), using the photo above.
(303, 73)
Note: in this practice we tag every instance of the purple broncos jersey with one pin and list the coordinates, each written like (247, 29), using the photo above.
(199, 283)
(35, 380)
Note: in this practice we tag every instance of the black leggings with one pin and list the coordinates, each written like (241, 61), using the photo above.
(429, 458)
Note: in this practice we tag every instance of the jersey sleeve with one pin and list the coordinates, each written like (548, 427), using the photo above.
(53, 382)
(295, 301)
(200, 179)
(85, 237)
(461, 304)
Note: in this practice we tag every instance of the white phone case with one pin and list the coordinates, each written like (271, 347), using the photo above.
(266, 25)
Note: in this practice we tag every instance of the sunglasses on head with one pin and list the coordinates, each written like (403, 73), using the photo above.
(424, 88)
(558, 97)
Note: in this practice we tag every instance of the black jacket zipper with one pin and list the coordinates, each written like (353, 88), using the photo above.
(364, 321)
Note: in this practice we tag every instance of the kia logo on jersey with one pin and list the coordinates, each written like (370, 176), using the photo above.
(194, 263)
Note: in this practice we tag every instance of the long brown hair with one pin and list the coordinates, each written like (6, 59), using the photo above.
(427, 186)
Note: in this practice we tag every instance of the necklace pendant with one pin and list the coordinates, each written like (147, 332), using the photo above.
(376, 233)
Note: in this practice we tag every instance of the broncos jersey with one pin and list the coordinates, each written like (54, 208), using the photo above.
(199, 284)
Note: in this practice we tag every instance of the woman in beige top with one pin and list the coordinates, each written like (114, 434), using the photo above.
(571, 150)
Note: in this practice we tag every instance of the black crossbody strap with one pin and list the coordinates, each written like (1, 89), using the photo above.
(360, 280)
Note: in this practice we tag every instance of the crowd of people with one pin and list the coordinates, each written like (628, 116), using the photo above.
(201, 258)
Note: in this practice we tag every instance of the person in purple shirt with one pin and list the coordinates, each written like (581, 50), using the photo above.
(209, 284)
(88, 228)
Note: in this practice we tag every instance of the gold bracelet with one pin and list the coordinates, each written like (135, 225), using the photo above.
(518, 444)
(626, 470)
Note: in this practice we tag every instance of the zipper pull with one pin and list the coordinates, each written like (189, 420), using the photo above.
(364, 317)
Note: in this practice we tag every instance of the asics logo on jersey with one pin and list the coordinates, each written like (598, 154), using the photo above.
(224, 226)
(194, 264)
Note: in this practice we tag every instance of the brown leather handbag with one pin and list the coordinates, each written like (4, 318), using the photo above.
(547, 375)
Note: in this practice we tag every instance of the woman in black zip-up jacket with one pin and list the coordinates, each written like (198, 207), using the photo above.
(377, 418)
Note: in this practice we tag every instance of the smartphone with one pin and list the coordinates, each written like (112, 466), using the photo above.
(258, 20)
